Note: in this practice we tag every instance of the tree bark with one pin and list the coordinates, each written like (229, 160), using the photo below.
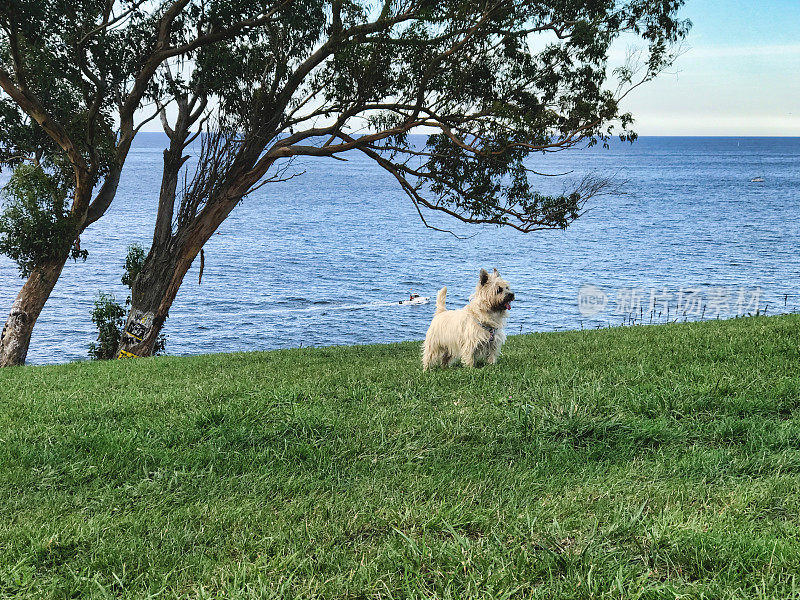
(28, 305)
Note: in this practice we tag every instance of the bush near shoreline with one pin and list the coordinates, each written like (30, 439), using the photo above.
(638, 462)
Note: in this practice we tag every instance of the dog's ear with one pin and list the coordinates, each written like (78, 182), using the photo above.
(484, 277)
(496, 273)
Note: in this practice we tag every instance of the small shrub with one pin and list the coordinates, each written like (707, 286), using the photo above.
(109, 318)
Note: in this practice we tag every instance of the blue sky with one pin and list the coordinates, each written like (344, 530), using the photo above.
(739, 75)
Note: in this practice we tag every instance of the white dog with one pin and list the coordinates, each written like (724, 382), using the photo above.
(473, 334)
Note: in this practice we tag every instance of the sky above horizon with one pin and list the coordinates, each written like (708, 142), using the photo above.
(739, 74)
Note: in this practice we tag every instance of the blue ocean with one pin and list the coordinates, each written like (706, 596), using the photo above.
(323, 259)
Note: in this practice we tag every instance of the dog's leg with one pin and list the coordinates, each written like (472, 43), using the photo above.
(492, 352)
(429, 357)
(468, 354)
(497, 348)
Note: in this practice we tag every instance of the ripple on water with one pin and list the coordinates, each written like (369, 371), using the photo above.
(321, 259)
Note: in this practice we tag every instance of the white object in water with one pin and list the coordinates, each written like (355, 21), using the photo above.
(757, 180)
(416, 299)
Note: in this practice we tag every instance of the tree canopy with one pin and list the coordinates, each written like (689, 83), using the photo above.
(496, 81)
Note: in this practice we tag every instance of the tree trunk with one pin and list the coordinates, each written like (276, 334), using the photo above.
(152, 296)
(16, 335)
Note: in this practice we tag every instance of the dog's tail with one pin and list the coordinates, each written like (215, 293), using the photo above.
(440, 298)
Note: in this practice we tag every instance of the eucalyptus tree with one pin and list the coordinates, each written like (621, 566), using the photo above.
(497, 80)
(75, 75)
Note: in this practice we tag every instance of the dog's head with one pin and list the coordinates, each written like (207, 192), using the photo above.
(493, 293)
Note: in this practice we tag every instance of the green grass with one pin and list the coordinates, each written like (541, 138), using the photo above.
(644, 462)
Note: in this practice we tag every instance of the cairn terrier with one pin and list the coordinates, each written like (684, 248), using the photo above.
(473, 334)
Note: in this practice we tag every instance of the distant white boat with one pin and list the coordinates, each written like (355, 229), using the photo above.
(757, 180)
(416, 299)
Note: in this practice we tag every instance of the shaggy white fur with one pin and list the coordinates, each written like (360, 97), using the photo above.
(473, 334)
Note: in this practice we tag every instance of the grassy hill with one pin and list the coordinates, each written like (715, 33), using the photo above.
(645, 462)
